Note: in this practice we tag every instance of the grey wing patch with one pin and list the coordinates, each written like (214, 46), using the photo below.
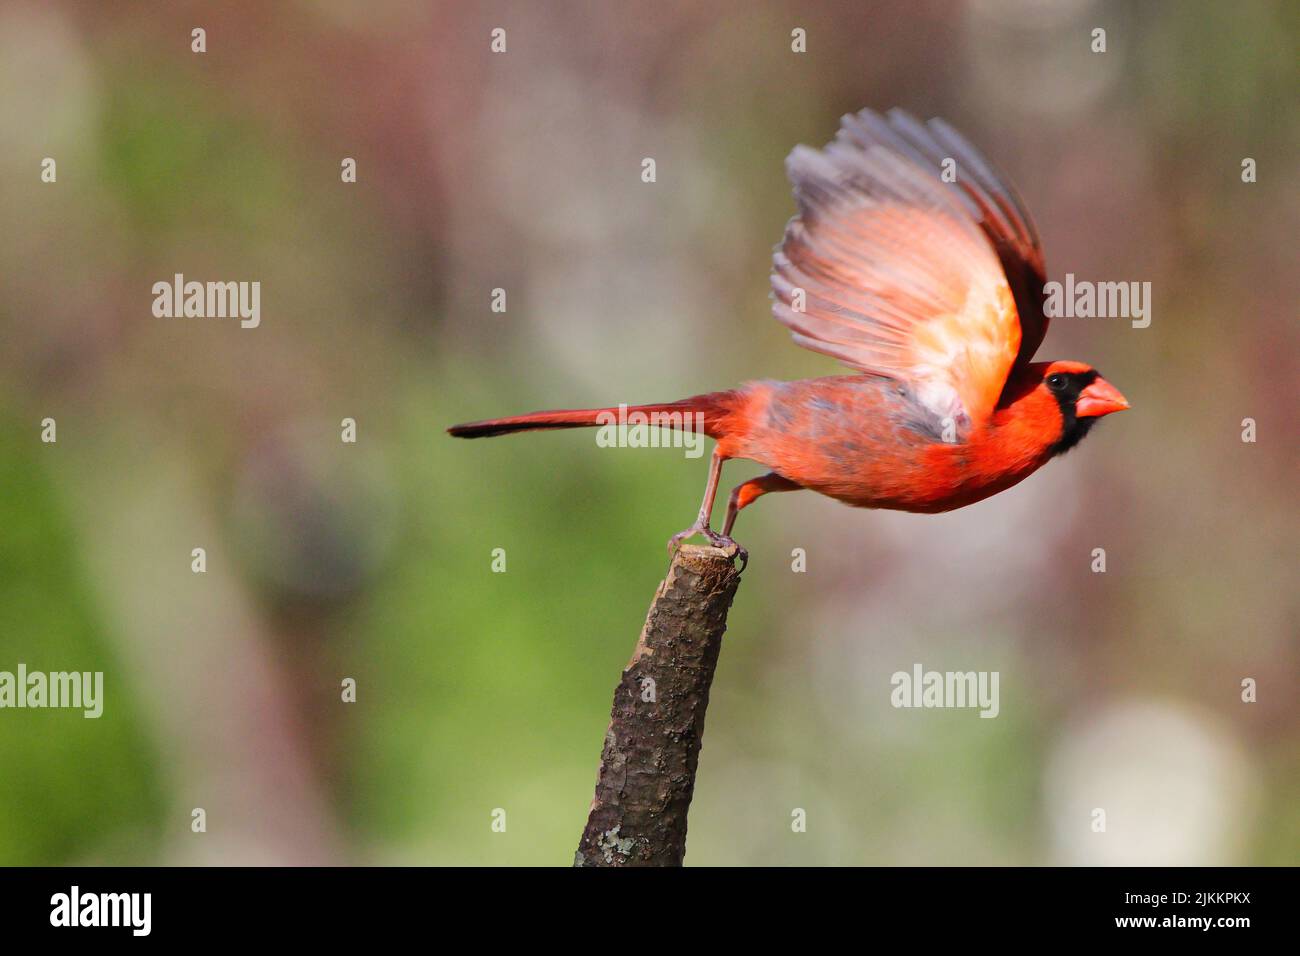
(912, 416)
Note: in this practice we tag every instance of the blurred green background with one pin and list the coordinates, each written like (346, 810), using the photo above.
(480, 690)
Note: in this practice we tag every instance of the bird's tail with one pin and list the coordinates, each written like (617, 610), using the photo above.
(704, 413)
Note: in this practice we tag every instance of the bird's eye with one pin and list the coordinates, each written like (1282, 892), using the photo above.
(1056, 382)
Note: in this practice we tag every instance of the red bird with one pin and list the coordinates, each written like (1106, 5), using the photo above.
(933, 291)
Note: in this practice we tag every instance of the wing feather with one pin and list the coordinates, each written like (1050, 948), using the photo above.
(901, 273)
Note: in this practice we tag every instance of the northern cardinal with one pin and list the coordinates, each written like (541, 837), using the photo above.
(933, 291)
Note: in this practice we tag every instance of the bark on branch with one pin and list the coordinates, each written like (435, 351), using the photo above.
(652, 746)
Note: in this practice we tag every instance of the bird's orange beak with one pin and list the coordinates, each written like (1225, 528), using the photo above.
(1099, 398)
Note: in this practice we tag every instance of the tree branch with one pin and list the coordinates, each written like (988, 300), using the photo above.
(652, 746)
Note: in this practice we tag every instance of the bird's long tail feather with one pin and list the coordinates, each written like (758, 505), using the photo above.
(711, 409)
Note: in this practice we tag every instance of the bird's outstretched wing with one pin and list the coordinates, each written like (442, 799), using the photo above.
(895, 271)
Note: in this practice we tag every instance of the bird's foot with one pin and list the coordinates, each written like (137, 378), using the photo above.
(727, 544)
(721, 541)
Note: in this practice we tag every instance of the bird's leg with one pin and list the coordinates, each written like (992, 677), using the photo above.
(701, 525)
(744, 494)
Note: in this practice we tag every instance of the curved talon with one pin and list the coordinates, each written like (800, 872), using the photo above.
(676, 540)
(736, 551)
